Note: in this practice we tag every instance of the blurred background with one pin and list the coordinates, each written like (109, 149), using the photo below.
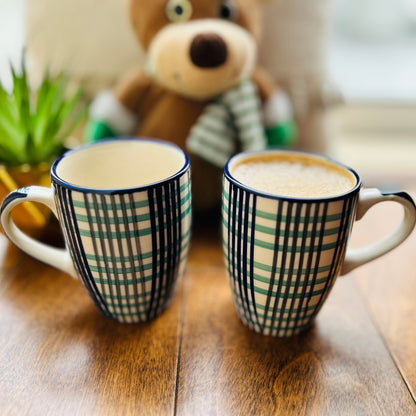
(368, 54)
(372, 58)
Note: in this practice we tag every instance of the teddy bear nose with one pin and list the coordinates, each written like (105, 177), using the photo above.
(208, 50)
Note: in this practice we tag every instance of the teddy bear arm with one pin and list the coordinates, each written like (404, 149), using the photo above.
(115, 112)
(265, 83)
(277, 110)
(131, 89)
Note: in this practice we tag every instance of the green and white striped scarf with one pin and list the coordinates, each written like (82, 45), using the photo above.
(233, 117)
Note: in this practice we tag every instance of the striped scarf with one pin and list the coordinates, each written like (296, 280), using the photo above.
(233, 117)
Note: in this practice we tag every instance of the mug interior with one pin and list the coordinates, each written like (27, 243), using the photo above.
(119, 164)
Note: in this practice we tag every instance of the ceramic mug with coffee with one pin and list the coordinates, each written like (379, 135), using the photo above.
(124, 207)
(287, 218)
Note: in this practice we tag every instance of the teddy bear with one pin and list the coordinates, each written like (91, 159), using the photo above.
(200, 88)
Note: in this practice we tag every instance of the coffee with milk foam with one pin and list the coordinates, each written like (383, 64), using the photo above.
(294, 174)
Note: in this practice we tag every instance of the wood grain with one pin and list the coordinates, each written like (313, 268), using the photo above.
(340, 366)
(59, 356)
(389, 287)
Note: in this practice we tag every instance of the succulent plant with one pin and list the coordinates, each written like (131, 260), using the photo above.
(35, 124)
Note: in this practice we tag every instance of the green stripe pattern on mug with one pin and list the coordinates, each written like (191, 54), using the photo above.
(283, 258)
(129, 248)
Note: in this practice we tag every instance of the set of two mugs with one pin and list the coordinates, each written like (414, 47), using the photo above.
(124, 207)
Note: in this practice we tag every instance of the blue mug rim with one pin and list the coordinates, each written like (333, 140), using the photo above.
(112, 191)
(229, 177)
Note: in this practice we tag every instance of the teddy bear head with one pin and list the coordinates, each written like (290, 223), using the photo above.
(198, 48)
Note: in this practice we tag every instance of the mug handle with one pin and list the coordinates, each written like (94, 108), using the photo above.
(368, 198)
(56, 257)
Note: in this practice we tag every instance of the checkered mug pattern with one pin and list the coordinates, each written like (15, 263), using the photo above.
(128, 245)
(283, 254)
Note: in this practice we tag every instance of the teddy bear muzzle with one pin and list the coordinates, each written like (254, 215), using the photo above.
(208, 50)
(200, 59)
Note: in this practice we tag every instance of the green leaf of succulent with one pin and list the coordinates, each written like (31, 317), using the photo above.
(21, 95)
(11, 135)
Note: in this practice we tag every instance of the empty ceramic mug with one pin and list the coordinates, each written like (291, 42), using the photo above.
(125, 210)
(287, 217)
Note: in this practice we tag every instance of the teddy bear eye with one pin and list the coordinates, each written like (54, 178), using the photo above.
(227, 10)
(178, 10)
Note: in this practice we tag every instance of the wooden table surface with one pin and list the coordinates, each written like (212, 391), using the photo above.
(59, 356)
